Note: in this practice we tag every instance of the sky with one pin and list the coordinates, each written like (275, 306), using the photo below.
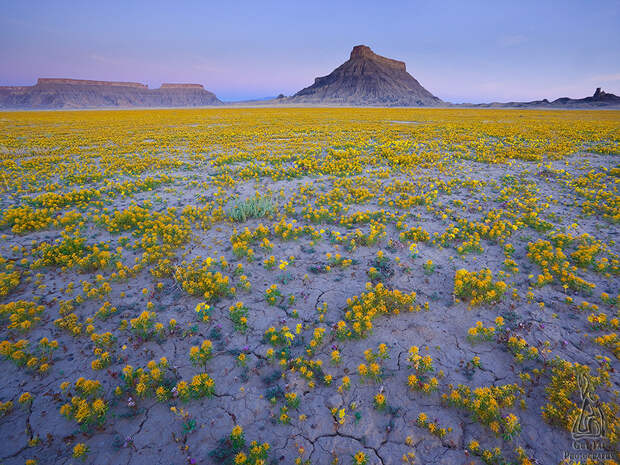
(461, 51)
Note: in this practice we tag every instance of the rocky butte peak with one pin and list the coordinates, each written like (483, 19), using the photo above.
(365, 53)
(360, 51)
(602, 96)
(367, 79)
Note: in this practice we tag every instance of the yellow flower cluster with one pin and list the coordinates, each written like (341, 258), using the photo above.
(315, 342)
(103, 360)
(145, 325)
(25, 398)
(292, 399)
(24, 219)
(612, 341)
(148, 381)
(203, 310)
(201, 385)
(478, 287)
(485, 403)
(553, 262)
(270, 262)
(69, 321)
(422, 365)
(601, 321)
(105, 311)
(18, 353)
(241, 241)
(418, 363)
(372, 371)
(200, 355)
(379, 401)
(55, 201)
(481, 333)
(85, 408)
(413, 233)
(200, 278)
(435, 430)
(310, 370)
(521, 349)
(5, 408)
(22, 314)
(273, 295)
(372, 303)
(9, 280)
(495, 456)
(80, 450)
(237, 438)
(257, 454)
(280, 337)
(239, 316)
(338, 260)
(72, 251)
(360, 458)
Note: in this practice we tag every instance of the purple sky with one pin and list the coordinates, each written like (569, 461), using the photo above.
(459, 50)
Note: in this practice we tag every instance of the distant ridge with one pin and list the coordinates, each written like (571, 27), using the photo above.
(598, 100)
(367, 79)
(56, 93)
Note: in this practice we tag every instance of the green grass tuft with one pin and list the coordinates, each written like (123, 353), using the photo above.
(254, 207)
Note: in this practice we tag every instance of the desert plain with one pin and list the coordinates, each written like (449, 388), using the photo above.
(309, 286)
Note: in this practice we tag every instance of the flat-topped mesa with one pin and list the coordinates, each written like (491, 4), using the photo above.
(168, 85)
(82, 93)
(364, 52)
(86, 82)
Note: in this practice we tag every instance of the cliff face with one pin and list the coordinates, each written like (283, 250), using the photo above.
(167, 85)
(50, 82)
(51, 93)
(367, 79)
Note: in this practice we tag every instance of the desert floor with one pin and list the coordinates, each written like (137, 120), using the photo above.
(373, 286)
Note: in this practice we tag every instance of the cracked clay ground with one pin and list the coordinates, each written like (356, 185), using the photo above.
(298, 272)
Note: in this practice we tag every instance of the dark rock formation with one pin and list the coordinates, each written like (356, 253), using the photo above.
(76, 93)
(367, 79)
(598, 100)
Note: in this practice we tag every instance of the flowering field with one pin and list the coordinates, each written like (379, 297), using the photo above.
(308, 286)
